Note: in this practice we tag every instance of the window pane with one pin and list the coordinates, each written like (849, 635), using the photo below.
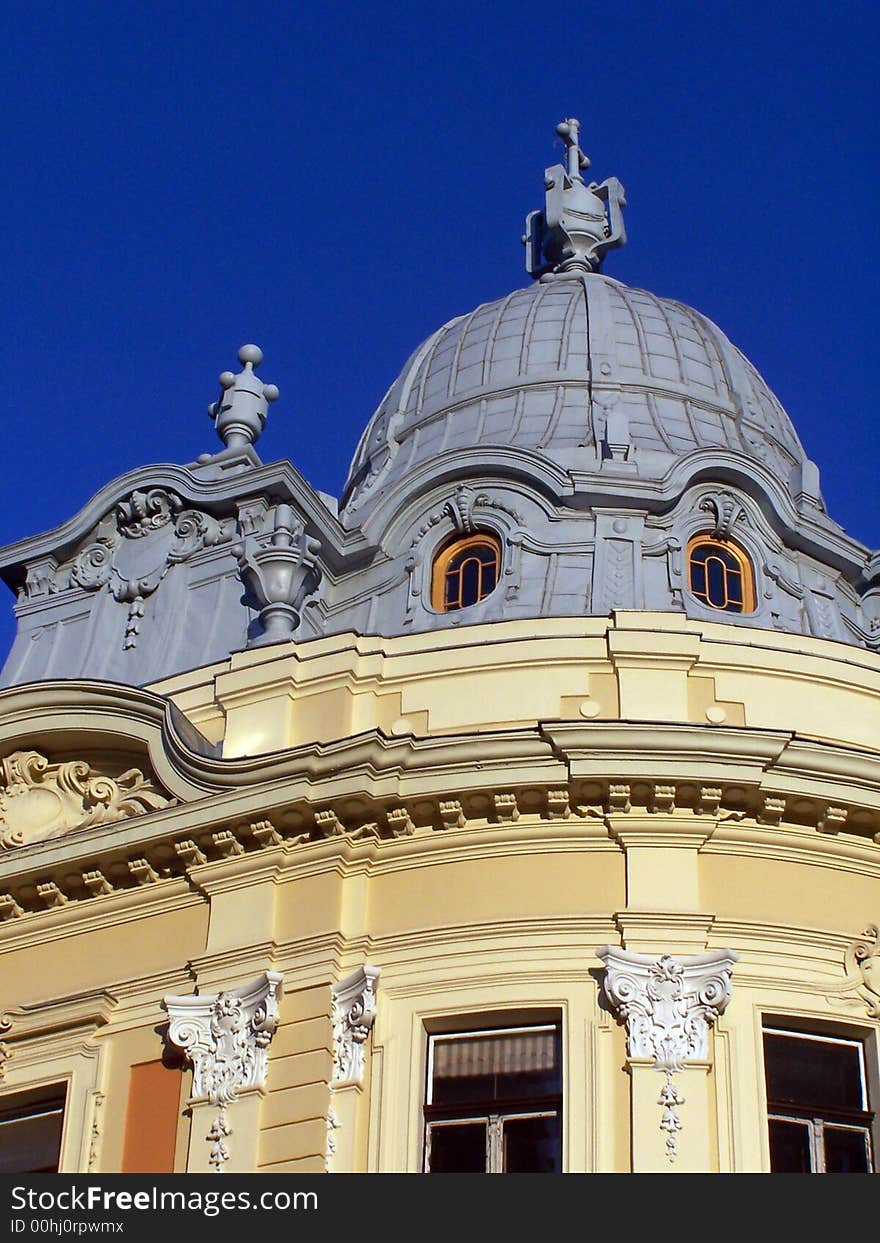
(31, 1144)
(789, 1147)
(717, 591)
(531, 1145)
(496, 1067)
(734, 589)
(846, 1151)
(813, 1072)
(458, 1149)
(470, 581)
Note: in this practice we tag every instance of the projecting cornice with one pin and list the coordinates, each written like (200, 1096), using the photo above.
(759, 791)
(807, 529)
(201, 488)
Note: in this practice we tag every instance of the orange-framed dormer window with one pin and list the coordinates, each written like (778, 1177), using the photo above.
(465, 572)
(720, 575)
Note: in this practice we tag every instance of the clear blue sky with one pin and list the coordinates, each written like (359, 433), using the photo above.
(334, 181)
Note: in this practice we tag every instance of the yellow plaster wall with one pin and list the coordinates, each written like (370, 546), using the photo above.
(635, 665)
(781, 891)
(430, 910)
(127, 1048)
(529, 885)
(58, 966)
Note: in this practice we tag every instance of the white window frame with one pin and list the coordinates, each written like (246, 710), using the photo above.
(816, 1125)
(494, 1122)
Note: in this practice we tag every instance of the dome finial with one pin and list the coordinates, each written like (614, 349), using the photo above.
(574, 231)
(569, 132)
(240, 414)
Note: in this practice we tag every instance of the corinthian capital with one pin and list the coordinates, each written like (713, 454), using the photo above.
(668, 1004)
(226, 1036)
(354, 1012)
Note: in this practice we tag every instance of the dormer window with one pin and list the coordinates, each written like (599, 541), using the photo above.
(720, 575)
(465, 572)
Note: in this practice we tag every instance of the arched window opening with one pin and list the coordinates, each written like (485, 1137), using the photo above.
(465, 572)
(720, 575)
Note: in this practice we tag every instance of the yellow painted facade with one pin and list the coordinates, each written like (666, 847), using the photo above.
(474, 812)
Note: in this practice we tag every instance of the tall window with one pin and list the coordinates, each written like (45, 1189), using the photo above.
(817, 1099)
(30, 1131)
(494, 1102)
(720, 575)
(465, 572)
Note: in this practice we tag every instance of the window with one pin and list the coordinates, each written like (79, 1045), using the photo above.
(817, 1101)
(30, 1131)
(494, 1102)
(720, 575)
(465, 572)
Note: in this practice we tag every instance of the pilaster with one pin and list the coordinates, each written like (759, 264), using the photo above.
(226, 1036)
(668, 1006)
(652, 666)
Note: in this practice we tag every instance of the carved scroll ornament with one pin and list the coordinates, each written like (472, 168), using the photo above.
(863, 960)
(668, 1005)
(39, 800)
(226, 1037)
(152, 533)
(354, 1012)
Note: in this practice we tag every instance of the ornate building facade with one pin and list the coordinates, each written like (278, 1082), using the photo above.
(520, 811)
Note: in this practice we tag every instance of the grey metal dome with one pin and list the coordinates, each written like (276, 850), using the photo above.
(543, 368)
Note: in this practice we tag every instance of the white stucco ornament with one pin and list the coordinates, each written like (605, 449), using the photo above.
(226, 1036)
(40, 799)
(668, 1005)
(863, 960)
(354, 1012)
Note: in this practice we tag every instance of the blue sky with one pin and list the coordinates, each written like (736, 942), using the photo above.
(335, 181)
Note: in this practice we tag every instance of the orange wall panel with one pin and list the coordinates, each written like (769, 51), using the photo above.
(151, 1119)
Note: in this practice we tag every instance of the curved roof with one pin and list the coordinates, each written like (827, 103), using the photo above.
(542, 368)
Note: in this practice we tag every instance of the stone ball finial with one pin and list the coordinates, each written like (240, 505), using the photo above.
(250, 354)
(240, 414)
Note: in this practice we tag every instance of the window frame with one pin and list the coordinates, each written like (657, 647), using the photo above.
(447, 552)
(749, 603)
(816, 1119)
(488, 1111)
(45, 1100)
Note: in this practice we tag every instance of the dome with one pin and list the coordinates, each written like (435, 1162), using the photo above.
(543, 368)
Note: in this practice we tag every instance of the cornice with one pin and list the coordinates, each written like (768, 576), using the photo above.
(197, 487)
(462, 940)
(36, 1032)
(558, 785)
(484, 463)
(622, 748)
(823, 539)
(794, 844)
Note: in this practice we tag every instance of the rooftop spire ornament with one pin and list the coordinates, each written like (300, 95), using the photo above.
(240, 414)
(580, 222)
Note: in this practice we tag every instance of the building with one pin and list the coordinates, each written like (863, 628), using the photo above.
(518, 812)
